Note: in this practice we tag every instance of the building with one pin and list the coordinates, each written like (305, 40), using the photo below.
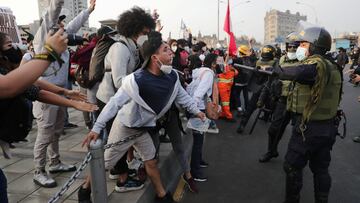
(210, 40)
(8, 24)
(279, 24)
(71, 9)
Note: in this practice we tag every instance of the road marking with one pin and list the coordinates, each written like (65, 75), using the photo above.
(179, 192)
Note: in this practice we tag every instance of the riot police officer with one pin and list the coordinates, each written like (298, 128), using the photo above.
(257, 81)
(280, 91)
(313, 101)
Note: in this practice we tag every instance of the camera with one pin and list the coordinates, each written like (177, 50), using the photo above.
(73, 39)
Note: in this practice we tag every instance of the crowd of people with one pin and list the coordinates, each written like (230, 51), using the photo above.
(134, 84)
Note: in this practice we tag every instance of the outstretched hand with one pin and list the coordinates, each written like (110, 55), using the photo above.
(83, 106)
(75, 95)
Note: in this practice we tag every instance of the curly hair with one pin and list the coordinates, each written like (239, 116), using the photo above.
(133, 21)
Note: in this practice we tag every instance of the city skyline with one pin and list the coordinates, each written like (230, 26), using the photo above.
(247, 17)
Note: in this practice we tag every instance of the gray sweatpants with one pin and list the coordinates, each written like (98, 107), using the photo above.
(50, 123)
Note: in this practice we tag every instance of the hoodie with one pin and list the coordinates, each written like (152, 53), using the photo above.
(201, 87)
(132, 110)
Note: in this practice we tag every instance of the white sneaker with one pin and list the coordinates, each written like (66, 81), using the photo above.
(42, 179)
(213, 129)
(60, 167)
(239, 109)
(5, 149)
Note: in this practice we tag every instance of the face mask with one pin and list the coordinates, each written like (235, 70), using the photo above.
(187, 49)
(301, 53)
(141, 39)
(13, 55)
(230, 62)
(291, 55)
(165, 68)
(204, 49)
(174, 48)
(202, 57)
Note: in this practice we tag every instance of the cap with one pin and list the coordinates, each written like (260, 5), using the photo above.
(105, 30)
(150, 46)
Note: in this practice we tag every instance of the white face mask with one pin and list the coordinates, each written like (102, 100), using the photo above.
(291, 55)
(301, 53)
(174, 48)
(141, 39)
(202, 57)
(187, 49)
(204, 49)
(166, 69)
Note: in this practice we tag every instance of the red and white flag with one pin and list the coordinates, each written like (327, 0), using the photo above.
(228, 30)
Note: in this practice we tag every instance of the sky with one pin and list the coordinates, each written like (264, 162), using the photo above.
(201, 15)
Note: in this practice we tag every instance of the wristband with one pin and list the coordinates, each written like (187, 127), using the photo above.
(53, 54)
(46, 57)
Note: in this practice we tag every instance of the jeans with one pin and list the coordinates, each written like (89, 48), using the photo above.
(196, 154)
(3, 188)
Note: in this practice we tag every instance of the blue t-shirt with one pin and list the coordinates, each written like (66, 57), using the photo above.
(155, 90)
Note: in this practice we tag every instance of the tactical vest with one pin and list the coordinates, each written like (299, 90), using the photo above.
(328, 102)
(284, 63)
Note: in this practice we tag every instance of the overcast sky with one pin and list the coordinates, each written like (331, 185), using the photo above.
(201, 15)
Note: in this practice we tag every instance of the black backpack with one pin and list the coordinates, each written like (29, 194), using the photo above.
(96, 68)
(14, 119)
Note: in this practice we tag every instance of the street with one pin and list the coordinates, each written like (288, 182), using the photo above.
(235, 175)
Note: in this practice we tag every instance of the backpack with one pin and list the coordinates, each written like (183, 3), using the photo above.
(97, 67)
(15, 121)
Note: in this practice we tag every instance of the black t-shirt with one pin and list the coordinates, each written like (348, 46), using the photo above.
(155, 90)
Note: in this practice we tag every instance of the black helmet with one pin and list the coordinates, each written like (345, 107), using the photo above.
(292, 41)
(268, 52)
(317, 36)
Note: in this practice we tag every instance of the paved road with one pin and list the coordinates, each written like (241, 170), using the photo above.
(235, 175)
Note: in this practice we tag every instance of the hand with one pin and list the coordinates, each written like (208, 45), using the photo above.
(201, 115)
(356, 78)
(158, 27)
(75, 95)
(83, 106)
(351, 71)
(57, 41)
(92, 5)
(92, 136)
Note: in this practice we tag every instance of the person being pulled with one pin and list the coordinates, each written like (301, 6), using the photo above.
(258, 81)
(144, 96)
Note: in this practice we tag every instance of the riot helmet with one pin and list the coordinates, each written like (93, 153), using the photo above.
(292, 42)
(268, 52)
(318, 37)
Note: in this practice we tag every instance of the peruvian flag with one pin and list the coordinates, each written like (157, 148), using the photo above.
(228, 30)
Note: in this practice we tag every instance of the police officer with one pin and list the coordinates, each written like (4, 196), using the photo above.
(267, 60)
(313, 102)
(280, 91)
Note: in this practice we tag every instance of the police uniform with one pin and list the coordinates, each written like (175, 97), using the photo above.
(280, 117)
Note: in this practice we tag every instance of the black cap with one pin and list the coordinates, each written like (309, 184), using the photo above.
(62, 17)
(150, 46)
(105, 30)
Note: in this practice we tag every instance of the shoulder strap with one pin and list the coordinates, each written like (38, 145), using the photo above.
(112, 79)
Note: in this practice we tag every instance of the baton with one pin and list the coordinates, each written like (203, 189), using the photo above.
(253, 69)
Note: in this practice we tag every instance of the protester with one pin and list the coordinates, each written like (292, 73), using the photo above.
(24, 76)
(50, 118)
(137, 105)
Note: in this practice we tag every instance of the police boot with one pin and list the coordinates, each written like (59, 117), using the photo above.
(293, 184)
(270, 153)
(322, 184)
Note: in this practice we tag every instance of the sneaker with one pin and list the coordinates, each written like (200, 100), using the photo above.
(356, 139)
(204, 164)
(213, 129)
(84, 195)
(129, 185)
(190, 184)
(134, 163)
(70, 125)
(240, 129)
(200, 178)
(42, 179)
(61, 167)
(114, 174)
(142, 173)
(166, 199)
(268, 156)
